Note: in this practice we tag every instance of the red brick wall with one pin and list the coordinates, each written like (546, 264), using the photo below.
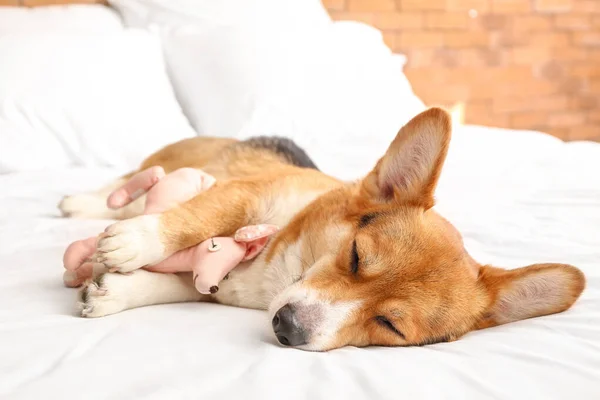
(35, 3)
(525, 64)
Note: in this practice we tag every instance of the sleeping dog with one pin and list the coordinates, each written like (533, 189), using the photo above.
(362, 263)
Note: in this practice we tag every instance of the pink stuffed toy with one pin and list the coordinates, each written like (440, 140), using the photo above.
(210, 260)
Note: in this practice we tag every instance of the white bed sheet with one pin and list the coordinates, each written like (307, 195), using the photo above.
(517, 197)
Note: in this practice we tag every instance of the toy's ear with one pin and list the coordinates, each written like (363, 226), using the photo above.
(254, 248)
(255, 237)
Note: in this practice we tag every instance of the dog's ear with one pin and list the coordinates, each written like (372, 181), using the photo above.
(409, 170)
(532, 291)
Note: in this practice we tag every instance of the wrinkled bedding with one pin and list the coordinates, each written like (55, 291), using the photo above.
(517, 197)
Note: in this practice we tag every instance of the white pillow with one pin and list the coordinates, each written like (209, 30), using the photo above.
(278, 67)
(87, 18)
(224, 57)
(84, 99)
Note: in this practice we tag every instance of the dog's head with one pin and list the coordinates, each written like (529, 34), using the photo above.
(386, 269)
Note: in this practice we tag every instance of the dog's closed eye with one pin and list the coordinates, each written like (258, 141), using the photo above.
(354, 260)
(383, 321)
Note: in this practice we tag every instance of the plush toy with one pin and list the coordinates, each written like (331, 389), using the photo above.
(210, 260)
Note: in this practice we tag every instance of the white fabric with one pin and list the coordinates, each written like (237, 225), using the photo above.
(517, 197)
(72, 18)
(209, 14)
(280, 67)
(84, 98)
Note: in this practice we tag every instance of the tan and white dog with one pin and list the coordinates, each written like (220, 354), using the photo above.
(362, 263)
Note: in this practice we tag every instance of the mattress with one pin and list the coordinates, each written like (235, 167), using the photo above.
(517, 197)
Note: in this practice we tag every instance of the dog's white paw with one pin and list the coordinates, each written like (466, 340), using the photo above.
(85, 206)
(110, 293)
(104, 295)
(131, 244)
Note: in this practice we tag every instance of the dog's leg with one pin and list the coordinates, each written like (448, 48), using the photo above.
(92, 205)
(220, 211)
(112, 293)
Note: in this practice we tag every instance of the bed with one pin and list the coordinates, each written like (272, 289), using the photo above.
(518, 197)
(531, 198)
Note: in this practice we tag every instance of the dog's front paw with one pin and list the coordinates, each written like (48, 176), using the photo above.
(131, 244)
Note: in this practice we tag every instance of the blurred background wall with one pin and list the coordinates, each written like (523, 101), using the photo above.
(525, 64)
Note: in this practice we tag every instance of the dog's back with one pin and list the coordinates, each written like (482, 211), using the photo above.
(224, 158)
(230, 158)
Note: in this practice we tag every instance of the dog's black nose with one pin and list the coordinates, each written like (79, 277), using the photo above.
(286, 328)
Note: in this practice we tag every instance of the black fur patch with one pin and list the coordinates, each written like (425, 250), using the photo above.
(292, 153)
